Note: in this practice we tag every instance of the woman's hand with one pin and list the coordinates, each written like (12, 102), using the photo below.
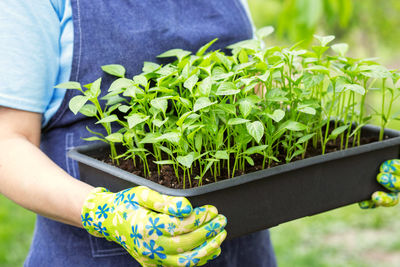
(389, 177)
(157, 230)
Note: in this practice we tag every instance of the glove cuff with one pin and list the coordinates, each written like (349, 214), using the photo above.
(92, 220)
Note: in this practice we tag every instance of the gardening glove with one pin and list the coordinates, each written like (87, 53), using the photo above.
(157, 230)
(389, 177)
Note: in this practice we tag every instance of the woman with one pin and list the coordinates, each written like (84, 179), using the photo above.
(53, 41)
(48, 42)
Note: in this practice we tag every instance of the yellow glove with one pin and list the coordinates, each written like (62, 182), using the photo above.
(389, 177)
(157, 230)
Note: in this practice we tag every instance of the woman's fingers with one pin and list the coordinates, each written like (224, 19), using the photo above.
(189, 241)
(167, 225)
(389, 180)
(391, 166)
(199, 216)
(367, 204)
(389, 177)
(211, 257)
(175, 206)
(385, 199)
(199, 255)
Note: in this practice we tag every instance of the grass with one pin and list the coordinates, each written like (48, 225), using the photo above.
(343, 237)
(16, 228)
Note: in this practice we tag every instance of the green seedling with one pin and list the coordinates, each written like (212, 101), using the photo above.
(219, 113)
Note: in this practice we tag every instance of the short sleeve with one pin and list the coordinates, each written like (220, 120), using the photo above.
(29, 53)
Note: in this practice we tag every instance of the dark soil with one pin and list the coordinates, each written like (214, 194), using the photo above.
(168, 178)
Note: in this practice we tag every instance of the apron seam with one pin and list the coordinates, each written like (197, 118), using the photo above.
(75, 70)
(70, 163)
(78, 11)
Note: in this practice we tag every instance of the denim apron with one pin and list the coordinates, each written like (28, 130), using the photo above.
(129, 32)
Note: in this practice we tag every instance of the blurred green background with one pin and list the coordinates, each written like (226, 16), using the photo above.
(348, 236)
(343, 237)
(370, 27)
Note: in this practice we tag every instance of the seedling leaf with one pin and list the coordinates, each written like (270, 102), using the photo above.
(341, 48)
(306, 109)
(191, 82)
(256, 149)
(149, 67)
(294, 126)
(172, 137)
(119, 84)
(159, 123)
(249, 160)
(94, 138)
(179, 53)
(150, 138)
(236, 121)
(202, 103)
(114, 69)
(277, 116)
(124, 108)
(355, 88)
(141, 80)
(204, 48)
(264, 32)
(221, 154)
(187, 160)
(305, 138)
(108, 119)
(227, 88)
(77, 102)
(136, 119)
(160, 104)
(205, 86)
(69, 85)
(164, 162)
(256, 130)
(115, 137)
(89, 110)
(324, 40)
(94, 89)
(336, 132)
(245, 106)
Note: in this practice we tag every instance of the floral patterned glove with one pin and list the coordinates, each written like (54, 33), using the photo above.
(389, 177)
(157, 230)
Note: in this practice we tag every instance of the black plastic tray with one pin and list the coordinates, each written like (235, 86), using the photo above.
(269, 197)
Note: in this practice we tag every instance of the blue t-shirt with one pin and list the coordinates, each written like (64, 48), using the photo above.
(36, 48)
(36, 44)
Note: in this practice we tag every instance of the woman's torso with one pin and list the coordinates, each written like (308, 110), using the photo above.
(129, 33)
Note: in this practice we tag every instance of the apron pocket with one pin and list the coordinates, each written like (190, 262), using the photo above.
(101, 247)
